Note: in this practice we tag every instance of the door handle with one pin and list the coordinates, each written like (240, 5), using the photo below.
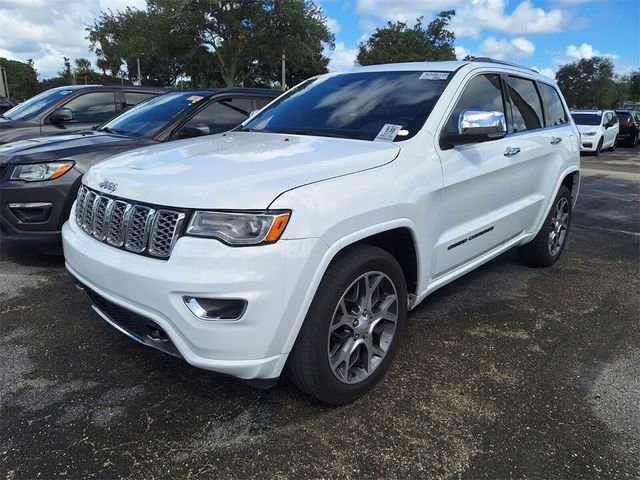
(511, 151)
(556, 140)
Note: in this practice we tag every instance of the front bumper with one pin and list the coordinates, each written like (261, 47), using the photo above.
(589, 144)
(60, 193)
(272, 278)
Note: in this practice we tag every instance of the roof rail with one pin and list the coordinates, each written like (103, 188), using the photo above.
(501, 62)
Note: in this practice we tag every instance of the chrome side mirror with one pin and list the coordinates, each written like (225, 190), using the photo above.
(482, 122)
(475, 126)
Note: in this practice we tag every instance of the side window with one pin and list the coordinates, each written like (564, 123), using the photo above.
(526, 108)
(483, 92)
(224, 114)
(556, 114)
(95, 107)
(133, 98)
(261, 102)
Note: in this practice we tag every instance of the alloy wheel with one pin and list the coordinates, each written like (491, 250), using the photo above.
(558, 226)
(362, 327)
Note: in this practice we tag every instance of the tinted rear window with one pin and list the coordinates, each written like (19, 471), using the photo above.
(587, 118)
(623, 116)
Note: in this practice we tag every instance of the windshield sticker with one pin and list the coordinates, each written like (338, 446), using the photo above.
(434, 76)
(403, 133)
(388, 133)
(194, 98)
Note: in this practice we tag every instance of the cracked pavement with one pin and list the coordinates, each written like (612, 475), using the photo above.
(509, 372)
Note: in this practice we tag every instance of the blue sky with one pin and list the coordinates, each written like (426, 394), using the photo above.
(535, 33)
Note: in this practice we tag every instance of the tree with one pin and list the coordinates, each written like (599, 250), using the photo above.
(22, 78)
(163, 44)
(84, 72)
(396, 42)
(588, 83)
(246, 38)
(67, 73)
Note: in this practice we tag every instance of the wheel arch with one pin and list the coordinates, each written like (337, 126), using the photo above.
(382, 236)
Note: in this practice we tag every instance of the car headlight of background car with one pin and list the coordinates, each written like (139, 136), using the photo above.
(239, 228)
(36, 172)
(589, 134)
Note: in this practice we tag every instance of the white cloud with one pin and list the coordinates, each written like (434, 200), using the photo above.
(479, 15)
(547, 72)
(342, 58)
(334, 25)
(585, 50)
(47, 30)
(461, 52)
(403, 10)
(503, 49)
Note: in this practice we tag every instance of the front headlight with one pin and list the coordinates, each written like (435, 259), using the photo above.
(589, 134)
(239, 228)
(36, 172)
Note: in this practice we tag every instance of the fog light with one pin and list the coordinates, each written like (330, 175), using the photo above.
(216, 308)
(31, 212)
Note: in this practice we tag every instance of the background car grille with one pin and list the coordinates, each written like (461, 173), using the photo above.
(137, 228)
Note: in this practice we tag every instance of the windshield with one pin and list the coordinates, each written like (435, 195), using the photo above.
(36, 104)
(147, 118)
(365, 106)
(587, 118)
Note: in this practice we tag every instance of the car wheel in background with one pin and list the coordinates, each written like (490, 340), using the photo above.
(353, 327)
(598, 148)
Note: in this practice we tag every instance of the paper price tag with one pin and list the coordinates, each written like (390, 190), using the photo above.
(434, 76)
(388, 133)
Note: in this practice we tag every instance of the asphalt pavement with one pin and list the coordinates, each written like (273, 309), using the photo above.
(509, 372)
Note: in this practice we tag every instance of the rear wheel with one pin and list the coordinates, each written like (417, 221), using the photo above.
(547, 246)
(353, 327)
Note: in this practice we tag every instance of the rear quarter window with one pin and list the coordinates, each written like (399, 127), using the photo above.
(554, 109)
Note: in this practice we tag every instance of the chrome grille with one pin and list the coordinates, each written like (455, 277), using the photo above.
(134, 227)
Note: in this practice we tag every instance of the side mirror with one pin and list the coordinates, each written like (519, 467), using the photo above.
(191, 130)
(475, 126)
(61, 115)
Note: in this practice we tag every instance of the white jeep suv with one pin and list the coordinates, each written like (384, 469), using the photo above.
(299, 240)
(598, 129)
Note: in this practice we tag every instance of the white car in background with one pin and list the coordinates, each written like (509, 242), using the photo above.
(299, 240)
(598, 128)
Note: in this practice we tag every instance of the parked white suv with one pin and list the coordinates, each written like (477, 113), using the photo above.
(598, 128)
(301, 239)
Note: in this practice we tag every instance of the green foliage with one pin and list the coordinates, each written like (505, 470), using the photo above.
(590, 83)
(162, 43)
(22, 78)
(396, 42)
(215, 42)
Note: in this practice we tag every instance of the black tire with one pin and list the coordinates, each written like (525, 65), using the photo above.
(537, 252)
(598, 148)
(308, 364)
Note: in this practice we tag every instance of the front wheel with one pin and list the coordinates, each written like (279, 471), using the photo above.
(598, 148)
(352, 330)
(547, 246)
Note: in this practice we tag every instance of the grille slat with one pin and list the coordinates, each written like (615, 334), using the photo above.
(133, 227)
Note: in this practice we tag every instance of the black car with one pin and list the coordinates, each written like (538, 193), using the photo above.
(629, 134)
(39, 178)
(70, 108)
(6, 104)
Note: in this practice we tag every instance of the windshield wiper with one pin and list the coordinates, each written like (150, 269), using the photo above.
(111, 130)
(317, 133)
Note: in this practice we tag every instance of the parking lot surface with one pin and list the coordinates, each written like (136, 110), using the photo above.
(509, 372)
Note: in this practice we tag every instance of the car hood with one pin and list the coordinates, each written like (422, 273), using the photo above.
(238, 170)
(46, 149)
